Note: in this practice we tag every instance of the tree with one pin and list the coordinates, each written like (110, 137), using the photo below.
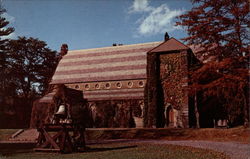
(4, 65)
(219, 29)
(32, 65)
(26, 67)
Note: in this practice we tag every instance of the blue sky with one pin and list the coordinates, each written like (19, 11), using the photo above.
(95, 23)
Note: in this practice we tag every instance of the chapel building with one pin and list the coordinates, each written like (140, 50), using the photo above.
(138, 85)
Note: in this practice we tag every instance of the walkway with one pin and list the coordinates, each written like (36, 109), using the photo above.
(234, 150)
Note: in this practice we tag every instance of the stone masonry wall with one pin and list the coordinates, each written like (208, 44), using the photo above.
(166, 95)
(174, 80)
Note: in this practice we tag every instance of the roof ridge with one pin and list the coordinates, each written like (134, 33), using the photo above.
(118, 46)
(168, 43)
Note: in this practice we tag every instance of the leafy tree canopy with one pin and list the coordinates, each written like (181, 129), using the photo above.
(32, 66)
(219, 31)
(218, 27)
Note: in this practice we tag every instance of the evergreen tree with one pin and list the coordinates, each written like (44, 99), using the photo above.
(4, 65)
(219, 30)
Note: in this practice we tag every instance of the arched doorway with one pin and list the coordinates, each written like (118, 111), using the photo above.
(170, 117)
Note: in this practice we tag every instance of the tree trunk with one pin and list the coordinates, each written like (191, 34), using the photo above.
(197, 115)
(246, 110)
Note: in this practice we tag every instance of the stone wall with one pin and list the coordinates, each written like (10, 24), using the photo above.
(166, 95)
(174, 81)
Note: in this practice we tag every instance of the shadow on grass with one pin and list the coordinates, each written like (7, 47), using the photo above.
(9, 152)
(14, 149)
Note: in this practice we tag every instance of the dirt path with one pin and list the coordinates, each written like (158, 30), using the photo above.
(233, 149)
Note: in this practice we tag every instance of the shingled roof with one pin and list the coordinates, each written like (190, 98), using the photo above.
(110, 65)
(170, 45)
(104, 64)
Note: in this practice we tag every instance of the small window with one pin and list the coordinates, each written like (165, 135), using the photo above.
(77, 86)
(130, 84)
(86, 86)
(141, 83)
(107, 85)
(97, 86)
(118, 85)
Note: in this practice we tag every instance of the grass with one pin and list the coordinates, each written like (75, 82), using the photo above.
(238, 134)
(136, 150)
(121, 151)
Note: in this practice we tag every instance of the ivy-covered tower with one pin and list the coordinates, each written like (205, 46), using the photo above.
(166, 94)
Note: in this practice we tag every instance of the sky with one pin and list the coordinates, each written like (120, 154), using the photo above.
(86, 24)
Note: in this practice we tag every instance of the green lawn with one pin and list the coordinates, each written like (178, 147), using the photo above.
(120, 151)
(238, 134)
